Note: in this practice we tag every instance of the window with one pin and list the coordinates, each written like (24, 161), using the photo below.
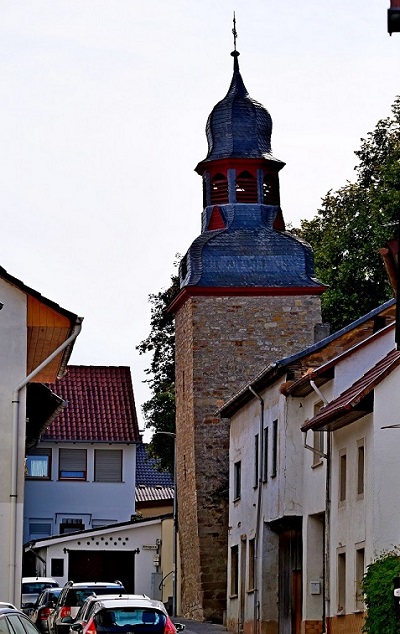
(318, 438)
(219, 189)
(57, 567)
(342, 477)
(341, 583)
(251, 564)
(274, 448)
(265, 464)
(39, 528)
(270, 190)
(237, 477)
(71, 526)
(246, 188)
(360, 467)
(108, 465)
(234, 571)
(38, 464)
(360, 569)
(256, 449)
(72, 464)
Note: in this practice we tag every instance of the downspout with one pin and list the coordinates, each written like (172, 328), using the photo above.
(326, 534)
(14, 587)
(257, 540)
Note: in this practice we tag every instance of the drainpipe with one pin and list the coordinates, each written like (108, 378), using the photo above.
(18, 426)
(326, 536)
(257, 540)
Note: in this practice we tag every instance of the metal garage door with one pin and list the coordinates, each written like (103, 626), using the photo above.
(101, 565)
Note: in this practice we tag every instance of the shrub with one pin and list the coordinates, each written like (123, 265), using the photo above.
(377, 586)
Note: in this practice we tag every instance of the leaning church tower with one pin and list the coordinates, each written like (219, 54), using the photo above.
(248, 296)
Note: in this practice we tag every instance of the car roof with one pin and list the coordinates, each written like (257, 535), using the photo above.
(134, 602)
(4, 610)
(90, 584)
(39, 580)
(5, 604)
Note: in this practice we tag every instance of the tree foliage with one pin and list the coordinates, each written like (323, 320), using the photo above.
(354, 223)
(377, 586)
(159, 410)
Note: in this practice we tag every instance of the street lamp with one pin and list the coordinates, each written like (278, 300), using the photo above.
(175, 516)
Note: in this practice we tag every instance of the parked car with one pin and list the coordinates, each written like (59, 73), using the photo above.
(139, 615)
(13, 620)
(72, 597)
(85, 611)
(32, 587)
(45, 604)
(5, 604)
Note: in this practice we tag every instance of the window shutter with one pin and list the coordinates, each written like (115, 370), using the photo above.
(108, 465)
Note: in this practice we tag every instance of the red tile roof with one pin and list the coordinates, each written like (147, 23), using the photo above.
(353, 403)
(101, 406)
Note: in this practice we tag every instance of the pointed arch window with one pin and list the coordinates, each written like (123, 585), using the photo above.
(246, 188)
(270, 190)
(219, 189)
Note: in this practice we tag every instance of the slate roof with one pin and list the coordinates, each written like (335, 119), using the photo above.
(356, 401)
(100, 406)
(151, 484)
(249, 252)
(238, 125)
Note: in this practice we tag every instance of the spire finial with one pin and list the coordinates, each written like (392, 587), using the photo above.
(235, 54)
(234, 31)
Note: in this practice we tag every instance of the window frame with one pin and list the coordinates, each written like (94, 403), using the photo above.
(237, 480)
(103, 452)
(45, 452)
(360, 468)
(274, 466)
(70, 477)
(234, 577)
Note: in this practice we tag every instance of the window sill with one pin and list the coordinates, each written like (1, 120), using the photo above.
(251, 591)
(233, 596)
(317, 464)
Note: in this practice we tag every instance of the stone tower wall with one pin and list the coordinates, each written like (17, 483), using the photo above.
(221, 344)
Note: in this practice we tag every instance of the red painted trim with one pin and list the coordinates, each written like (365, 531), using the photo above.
(242, 291)
(239, 164)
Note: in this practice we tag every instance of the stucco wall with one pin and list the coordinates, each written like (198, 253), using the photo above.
(108, 502)
(13, 354)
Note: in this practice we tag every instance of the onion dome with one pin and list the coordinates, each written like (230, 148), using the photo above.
(238, 126)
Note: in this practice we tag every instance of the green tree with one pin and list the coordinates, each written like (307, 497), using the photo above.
(159, 410)
(354, 223)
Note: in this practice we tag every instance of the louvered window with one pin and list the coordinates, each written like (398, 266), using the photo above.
(270, 190)
(108, 465)
(219, 189)
(72, 464)
(246, 188)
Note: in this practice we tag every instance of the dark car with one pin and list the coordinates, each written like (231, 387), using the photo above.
(72, 597)
(44, 606)
(13, 621)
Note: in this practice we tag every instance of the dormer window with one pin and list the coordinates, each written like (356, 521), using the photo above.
(246, 188)
(219, 189)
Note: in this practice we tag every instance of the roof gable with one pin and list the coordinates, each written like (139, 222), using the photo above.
(100, 406)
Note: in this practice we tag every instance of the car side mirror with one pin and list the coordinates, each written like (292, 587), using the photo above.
(66, 619)
(179, 627)
(77, 627)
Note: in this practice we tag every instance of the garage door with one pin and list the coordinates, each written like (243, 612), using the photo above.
(101, 565)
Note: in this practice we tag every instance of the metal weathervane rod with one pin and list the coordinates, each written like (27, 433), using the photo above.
(234, 31)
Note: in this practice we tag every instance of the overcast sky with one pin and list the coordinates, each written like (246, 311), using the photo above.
(103, 105)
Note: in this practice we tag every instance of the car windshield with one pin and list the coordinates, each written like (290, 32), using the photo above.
(35, 587)
(125, 619)
(77, 596)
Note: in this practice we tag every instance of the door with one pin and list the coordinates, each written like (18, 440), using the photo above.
(101, 565)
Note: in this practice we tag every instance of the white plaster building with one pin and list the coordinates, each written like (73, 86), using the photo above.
(279, 531)
(36, 340)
